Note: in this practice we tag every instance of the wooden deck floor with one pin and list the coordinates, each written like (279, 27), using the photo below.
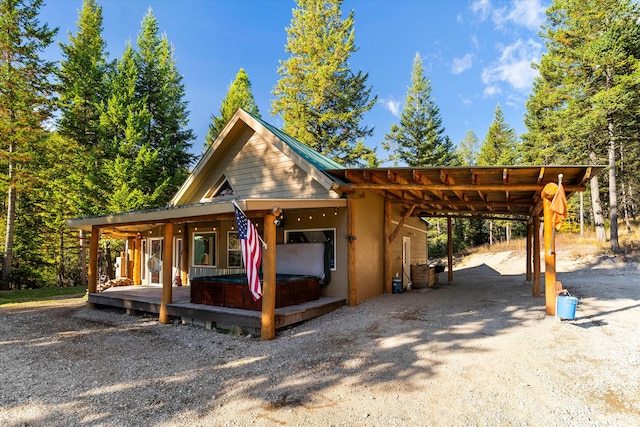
(147, 299)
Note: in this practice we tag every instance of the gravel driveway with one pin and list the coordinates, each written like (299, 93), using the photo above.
(479, 352)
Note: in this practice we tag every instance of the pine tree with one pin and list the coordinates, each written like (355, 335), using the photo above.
(146, 142)
(499, 147)
(83, 93)
(25, 103)
(123, 124)
(238, 96)
(420, 138)
(468, 151)
(591, 73)
(160, 85)
(318, 96)
(83, 70)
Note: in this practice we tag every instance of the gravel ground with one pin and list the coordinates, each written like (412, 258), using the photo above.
(478, 352)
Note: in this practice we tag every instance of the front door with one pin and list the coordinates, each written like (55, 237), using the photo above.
(406, 261)
(154, 263)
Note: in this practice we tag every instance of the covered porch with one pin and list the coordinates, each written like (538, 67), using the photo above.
(148, 299)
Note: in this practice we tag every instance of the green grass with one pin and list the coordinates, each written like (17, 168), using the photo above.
(42, 294)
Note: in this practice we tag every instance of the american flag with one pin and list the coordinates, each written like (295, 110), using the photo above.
(251, 251)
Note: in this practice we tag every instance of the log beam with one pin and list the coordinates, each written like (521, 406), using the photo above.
(404, 218)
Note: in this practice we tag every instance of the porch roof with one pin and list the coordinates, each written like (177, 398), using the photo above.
(134, 221)
(500, 192)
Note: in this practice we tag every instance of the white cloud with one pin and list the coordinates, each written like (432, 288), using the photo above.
(481, 8)
(465, 100)
(492, 90)
(526, 13)
(462, 64)
(475, 42)
(392, 105)
(514, 66)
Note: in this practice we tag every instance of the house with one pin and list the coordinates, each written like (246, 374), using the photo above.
(371, 219)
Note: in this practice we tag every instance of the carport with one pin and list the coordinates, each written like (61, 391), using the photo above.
(514, 193)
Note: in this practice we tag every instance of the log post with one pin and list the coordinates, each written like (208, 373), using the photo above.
(93, 262)
(535, 286)
(388, 275)
(184, 259)
(352, 298)
(131, 244)
(268, 319)
(167, 282)
(529, 263)
(137, 260)
(450, 249)
(548, 192)
(123, 264)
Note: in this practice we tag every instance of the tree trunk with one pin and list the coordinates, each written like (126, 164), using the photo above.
(625, 184)
(83, 260)
(109, 267)
(613, 196)
(598, 219)
(490, 233)
(61, 270)
(582, 213)
(11, 216)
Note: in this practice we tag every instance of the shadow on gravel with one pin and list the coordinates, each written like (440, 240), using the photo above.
(71, 365)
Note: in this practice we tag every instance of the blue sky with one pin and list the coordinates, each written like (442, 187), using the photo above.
(476, 53)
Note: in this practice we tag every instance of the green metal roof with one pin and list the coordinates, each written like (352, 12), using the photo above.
(310, 155)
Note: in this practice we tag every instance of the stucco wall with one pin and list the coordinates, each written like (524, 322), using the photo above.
(369, 233)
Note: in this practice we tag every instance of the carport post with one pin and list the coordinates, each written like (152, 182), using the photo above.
(548, 192)
(535, 289)
(450, 249)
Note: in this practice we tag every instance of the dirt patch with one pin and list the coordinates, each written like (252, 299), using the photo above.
(479, 351)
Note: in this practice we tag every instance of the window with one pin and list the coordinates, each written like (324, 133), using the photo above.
(222, 188)
(234, 250)
(317, 235)
(204, 249)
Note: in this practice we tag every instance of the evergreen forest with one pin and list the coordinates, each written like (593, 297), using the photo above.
(89, 134)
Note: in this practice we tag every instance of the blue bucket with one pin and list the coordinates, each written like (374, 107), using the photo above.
(396, 286)
(566, 307)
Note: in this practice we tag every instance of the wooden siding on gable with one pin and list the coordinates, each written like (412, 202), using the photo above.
(260, 170)
(256, 169)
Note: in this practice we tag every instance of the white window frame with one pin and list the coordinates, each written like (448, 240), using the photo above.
(238, 250)
(215, 248)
